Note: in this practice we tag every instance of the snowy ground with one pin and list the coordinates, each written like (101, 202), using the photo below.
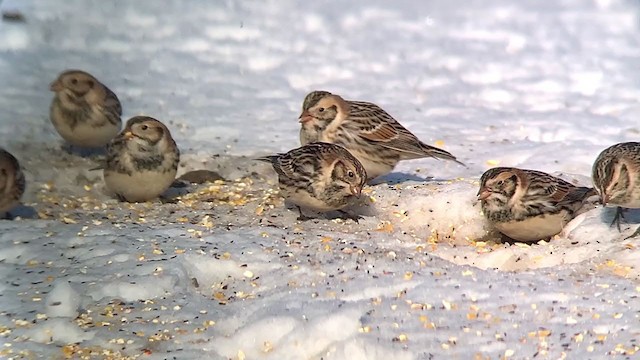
(226, 272)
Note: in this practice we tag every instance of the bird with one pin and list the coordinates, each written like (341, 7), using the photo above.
(84, 111)
(319, 176)
(367, 131)
(12, 182)
(616, 177)
(529, 205)
(142, 161)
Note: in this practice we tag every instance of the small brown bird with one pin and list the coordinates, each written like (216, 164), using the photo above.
(367, 131)
(12, 183)
(529, 205)
(142, 161)
(84, 111)
(616, 177)
(319, 176)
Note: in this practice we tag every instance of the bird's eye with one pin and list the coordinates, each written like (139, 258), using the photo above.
(500, 182)
(350, 174)
(144, 127)
(90, 83)
(321, 110)
(74, 81)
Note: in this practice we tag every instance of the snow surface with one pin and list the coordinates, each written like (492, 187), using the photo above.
(228, 273)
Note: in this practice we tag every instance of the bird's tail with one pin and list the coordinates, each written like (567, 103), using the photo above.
(440, 154)
(271, 159)
(579, 194)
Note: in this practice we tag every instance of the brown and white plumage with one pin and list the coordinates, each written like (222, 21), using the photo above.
(12, 182)
(529, 205)
(366, 130)
(616, 177)
(319, 176)
(84, 111)
(142, 161)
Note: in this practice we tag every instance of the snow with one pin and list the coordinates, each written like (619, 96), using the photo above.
(228, 273)
(62, 301)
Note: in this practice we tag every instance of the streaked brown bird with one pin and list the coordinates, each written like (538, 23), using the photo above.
(367, 131)
(529, 205)
(142, 160)
(319, 176)
(12, 182)
(84, 111)
(616, 177)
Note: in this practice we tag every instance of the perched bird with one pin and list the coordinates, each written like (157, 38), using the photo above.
(84, 111)
(12, 182)
(142, 160)
(319, 176)
(529, 205)
(372, 135)
(616, 177)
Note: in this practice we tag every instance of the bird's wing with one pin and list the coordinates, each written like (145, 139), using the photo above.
(374, 124)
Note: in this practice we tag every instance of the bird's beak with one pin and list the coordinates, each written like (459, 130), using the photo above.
(55, 86)
(356, 191)
(483, 193)
(128, 135)
(305, 117)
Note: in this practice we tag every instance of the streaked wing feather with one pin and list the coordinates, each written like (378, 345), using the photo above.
(380, 133)
(296, 164)
(284, 166)
(558, 189)
(578, 195)
(375, 124)
(111, 102)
